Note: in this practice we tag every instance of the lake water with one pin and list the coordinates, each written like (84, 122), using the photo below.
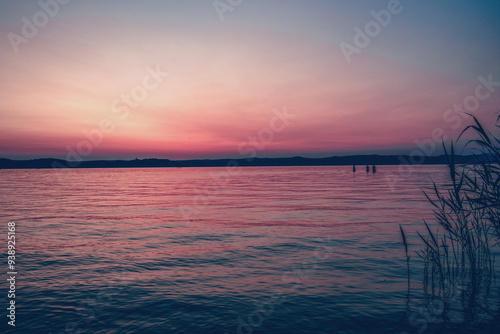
(180, 250)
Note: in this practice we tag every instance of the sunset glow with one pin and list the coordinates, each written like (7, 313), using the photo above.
(227, 78)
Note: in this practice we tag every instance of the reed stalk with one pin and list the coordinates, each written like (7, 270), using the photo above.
(458, 246)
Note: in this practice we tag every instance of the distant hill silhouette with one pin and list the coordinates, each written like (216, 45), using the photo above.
(294, 161)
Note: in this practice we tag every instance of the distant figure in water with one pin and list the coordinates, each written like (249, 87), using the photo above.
(367, 168)
(354, 168)
(374, 169)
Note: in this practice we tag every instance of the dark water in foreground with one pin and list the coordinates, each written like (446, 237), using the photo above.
(272, 250)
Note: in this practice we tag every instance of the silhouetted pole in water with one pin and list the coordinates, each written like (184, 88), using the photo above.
(367, 168)
(354, 168)
(374, 169)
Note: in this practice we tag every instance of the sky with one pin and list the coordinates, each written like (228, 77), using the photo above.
(191, 79)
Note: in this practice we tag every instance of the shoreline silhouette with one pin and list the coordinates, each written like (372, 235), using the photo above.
(293, 161)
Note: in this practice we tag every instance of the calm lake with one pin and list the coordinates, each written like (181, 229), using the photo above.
(187, 250)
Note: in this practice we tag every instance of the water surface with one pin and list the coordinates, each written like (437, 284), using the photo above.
(182, 250)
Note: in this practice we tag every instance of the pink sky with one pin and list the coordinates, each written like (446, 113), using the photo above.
(223, 83)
